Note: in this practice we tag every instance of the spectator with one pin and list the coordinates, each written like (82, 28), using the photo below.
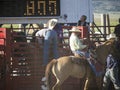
(112, 66)
(82, 21)
(111, 73)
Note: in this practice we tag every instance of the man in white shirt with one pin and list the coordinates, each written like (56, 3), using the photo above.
(79, 49)
(50, 40)
(76, 44)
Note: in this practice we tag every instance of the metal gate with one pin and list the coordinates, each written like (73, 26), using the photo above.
(4, 56)
(22, 64)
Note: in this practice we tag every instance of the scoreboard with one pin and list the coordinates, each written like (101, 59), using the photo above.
(29, 8)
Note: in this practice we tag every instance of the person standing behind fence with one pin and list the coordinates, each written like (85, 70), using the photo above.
(50, 40)
(112, 66)
(111, 73)
(117, 33)
(82, 21)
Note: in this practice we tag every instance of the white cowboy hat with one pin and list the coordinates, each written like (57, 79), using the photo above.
(74, 29)
(112, 35)
(51, 23)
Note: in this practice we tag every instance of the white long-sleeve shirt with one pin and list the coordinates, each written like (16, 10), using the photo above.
(76, 43)
(41, 33)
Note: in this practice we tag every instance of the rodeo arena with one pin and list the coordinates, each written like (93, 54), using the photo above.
(21, 51)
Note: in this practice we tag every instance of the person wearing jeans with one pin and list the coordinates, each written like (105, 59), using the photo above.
(111, 73)
(50, 41)
(79, 49)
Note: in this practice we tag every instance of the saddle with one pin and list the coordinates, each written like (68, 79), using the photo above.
(78, 60)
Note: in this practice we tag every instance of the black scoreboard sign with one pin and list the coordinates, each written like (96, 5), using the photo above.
(29, 8)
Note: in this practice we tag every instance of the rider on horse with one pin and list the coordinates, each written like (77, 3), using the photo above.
(81, 50)
(76, 44)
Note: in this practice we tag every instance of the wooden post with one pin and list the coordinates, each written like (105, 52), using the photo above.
(108, 24)
(103, 23)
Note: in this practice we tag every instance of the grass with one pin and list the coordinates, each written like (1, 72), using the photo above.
(112, 17)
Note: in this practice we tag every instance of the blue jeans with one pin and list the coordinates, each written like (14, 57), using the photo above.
(86, 54)
(50, 40)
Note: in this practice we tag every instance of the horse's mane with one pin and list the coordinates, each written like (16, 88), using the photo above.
(110, 41)
(104, 50)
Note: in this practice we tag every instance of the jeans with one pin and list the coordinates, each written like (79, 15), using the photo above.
(50, 40)
(81, 53)
(111, 75)
(86, 54)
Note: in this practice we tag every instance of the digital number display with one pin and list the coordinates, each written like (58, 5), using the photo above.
(29, 8)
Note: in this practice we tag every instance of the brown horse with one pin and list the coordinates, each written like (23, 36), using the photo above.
(102, 52)
(64, 67)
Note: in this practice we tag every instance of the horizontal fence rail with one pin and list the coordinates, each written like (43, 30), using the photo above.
(21, 61)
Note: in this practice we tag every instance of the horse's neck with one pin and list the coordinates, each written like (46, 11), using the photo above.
(102, 52)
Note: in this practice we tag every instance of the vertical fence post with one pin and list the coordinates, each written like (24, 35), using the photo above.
(8, 59)
(108, 24)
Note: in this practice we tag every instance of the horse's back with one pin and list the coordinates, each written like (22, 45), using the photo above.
(64, 60)
(66, 65)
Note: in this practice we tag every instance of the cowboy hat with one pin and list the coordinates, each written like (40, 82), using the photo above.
(51, 23)
(111, 36)
(74, 29)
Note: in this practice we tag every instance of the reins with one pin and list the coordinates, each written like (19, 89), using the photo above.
(94, 56)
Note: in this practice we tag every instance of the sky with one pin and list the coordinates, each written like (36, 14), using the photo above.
(106, 6)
